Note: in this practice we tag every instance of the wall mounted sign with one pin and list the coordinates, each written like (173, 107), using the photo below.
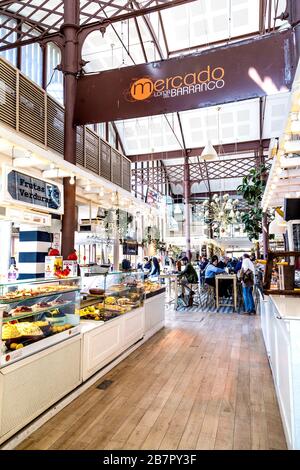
(21, 188)
(130, 247)
(244, 70)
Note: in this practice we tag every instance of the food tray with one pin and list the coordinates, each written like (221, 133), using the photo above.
(27, 297)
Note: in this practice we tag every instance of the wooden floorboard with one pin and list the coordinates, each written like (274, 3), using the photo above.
(203, 382)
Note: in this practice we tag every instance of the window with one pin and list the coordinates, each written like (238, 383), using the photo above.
(101, 129)
(11, 54)
(32, 60)
(55, 78)
(112, 136)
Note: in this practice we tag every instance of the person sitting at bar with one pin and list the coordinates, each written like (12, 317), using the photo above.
(188, 276)
(189, 273)
(178, 265)
(211, 271)
(202, 266)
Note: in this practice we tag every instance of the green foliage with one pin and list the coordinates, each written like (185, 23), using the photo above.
(252, 189)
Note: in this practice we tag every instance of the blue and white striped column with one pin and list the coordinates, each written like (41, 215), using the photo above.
(33, 247)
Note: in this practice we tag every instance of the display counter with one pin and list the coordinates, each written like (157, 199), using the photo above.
(44, 369)
(104, 342)
(280, 322)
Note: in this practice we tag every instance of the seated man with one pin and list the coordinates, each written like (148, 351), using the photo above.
(188, 276)
(211, 271)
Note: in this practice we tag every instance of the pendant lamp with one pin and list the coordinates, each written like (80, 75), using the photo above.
(209, 153)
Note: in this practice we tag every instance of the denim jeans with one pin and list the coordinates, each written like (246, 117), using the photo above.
(248, 299)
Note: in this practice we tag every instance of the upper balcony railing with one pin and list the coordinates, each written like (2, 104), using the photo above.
(28, 109)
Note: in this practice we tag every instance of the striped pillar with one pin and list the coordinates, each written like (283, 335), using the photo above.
(33, 247)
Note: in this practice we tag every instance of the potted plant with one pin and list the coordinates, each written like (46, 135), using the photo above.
(252, 189)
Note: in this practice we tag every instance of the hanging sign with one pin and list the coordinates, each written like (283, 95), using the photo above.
(21, 188)
(244, 70)
(130, 247)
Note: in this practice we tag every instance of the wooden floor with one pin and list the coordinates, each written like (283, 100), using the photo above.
(201, 383)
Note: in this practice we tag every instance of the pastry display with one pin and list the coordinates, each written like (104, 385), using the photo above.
(42, 305)
(123, 301)
(117, 288)
(27, 320)
(41, 323)
(110, 300)
(28, 329)
(20, 310)
(117, 308)
(91, 313)
(151, 286)
(57, 302)
(61, 328)
(9, 331)
(97, 291)
(34, 292)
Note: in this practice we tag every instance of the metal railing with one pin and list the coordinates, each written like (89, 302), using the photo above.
(28, 109)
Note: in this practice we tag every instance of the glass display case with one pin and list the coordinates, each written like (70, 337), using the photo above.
(108, 295)
(37, 313)
(154, 287)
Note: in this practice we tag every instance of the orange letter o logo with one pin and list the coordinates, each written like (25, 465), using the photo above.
(141, 89)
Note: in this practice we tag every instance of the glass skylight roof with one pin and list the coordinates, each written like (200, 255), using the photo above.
(174, 31)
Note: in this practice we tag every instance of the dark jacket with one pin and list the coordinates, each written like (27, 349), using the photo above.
(189, 273)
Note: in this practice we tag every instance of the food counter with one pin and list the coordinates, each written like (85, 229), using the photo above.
(154, 307)
(280, 322)
(52, 341)
(113, 316)
(40, 348)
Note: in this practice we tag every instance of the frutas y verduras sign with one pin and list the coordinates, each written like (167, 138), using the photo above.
(244, 70)
(22, 189)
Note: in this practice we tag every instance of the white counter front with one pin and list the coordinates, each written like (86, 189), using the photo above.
(154, 314)
(280, 321)
(288, 307)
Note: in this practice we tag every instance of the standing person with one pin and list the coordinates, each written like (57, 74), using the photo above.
(155, 268)
(126, 265)
(238, 265)
(247, 278)
(147, 263)
(222, 263)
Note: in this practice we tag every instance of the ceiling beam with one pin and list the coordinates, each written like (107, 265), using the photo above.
(227, 149)
(140, 39)
(216, 43)
(205, 194)
(23, 20)
(5, 3)
(104, 22)
(164, 33)
(152, 32)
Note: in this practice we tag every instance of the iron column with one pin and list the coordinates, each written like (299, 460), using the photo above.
(187, 190)
(70, 69)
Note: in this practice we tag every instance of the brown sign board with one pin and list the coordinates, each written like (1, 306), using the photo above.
(245, 70)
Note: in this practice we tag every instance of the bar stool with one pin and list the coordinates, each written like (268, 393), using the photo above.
(197, 300)
(210, 295)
